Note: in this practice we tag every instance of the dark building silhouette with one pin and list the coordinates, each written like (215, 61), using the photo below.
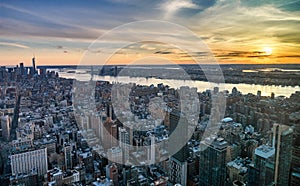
(33, 66)
(263, 171)
(178, 135)
(179, 126)
(273, 163)
(212, 162)
(282, 142)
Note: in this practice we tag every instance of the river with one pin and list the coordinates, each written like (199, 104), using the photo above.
(266, 90)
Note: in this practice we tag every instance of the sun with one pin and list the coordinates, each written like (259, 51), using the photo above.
(267, 50)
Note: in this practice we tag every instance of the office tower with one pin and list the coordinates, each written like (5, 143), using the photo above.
(152, 149)
(264, 165)
(43, 71)
(33, 66)
(110, 111)
(216, 90)
(149, 144)
(114, 135)
(6, 127)
(178, 171)
(2, 73)
(282, 142)
(110, 134)
(68, 156)
(178, 135)
(124, 143)
(181, 135)
(295, 170)
(28, 161)
(112, 173)
(22, 69)
(259, 93)
(234, 91)
(123, 136)
(212, 161)
(272, 95)
(116, 71)
(92, 73)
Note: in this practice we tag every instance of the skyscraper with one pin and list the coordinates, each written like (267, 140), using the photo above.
(178, 134)
(6, 127)
(26, 162)
(110, 134)
(178, 171)
(264, 165)
(124, 143)
(273, 163)
(22, 69)
(212, 162)
(282, 142)
(68, 156)
(181, 135)
(33, 65)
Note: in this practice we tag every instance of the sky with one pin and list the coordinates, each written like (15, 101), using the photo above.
(233, 31)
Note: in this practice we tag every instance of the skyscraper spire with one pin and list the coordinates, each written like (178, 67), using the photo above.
(33, 64)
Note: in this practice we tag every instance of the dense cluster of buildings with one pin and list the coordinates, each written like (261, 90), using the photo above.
(55, 134)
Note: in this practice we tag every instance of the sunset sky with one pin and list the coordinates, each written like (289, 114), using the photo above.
(236, 31)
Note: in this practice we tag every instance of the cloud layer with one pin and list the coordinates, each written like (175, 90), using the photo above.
(235, 30)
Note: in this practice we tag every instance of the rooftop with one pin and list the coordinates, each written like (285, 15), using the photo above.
(264, 151)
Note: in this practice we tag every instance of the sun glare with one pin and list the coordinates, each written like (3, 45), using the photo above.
(267, 50)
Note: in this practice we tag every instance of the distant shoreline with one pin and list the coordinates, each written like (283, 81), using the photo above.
(277, 75)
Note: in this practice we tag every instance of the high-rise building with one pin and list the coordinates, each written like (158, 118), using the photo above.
(264, 165)
(2, 73)
(178, 128)
(28, 161)
(22, 69)
(282, 142)
(110, 134)
(6, 127)
(179, 124)
(68, 156)
(178, 171)
(272, 95)
(112, 173)
(33, 66)
(43, 71)
(258, 93)
(212, 162)
(295, 170)
(273, 163)
(124, 143)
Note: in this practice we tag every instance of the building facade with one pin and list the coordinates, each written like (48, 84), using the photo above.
(26, 162)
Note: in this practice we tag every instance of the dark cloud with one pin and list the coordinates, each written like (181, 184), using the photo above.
(289, 56)
(253, 54)
(291, 6)
(291, 37)
(163, 52)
